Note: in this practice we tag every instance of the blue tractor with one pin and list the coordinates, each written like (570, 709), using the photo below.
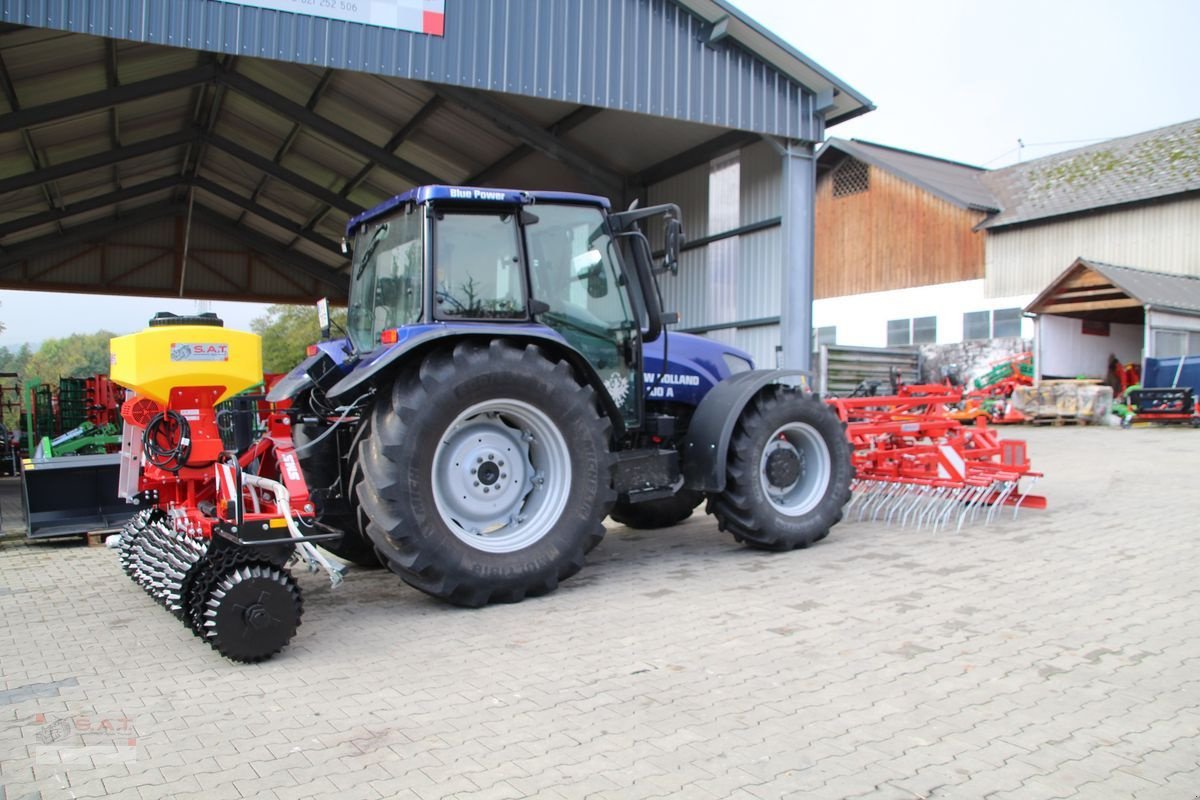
(505, 380)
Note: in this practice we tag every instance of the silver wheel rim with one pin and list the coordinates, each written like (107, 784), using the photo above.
(803, 494)
(501, 475)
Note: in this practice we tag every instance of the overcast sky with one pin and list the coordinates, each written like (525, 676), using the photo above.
(959, 79)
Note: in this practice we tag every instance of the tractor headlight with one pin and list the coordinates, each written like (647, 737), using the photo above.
(737, 364)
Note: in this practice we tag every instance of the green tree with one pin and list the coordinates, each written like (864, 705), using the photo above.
(286, 333)
(78, 356)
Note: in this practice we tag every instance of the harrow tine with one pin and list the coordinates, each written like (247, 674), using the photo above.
(857, 490)
(875, 491)
(920, 499)
(889, 497)
(929, 513)
(1017, 508)
(994, 511)
(974, 497)
(898, 502)
(953, 501)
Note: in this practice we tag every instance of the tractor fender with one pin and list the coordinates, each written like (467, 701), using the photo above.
(705, 449)
(299, 379)
(418, 338)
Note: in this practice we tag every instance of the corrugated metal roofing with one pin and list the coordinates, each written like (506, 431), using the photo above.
(1145, 166)
(306, 121)
(1154, 289)
(956, 183)
(1157, 290)
(648, 56)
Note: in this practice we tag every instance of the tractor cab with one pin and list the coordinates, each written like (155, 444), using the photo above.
(443, 257)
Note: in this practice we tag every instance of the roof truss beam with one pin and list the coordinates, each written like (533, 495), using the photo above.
(275, 218)
(90, 204)
(96, 160)
(518, 153)
(418, 119)
(91, 232)
(269, 247)
(534, 136)
(694, 157)
(328, 128)
(311, 105)
(1090, 305)
(287, 176)
(100, 230)
(105, 98)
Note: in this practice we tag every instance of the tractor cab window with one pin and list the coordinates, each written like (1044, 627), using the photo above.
(385, 288)
(477, 266)
(574, 269)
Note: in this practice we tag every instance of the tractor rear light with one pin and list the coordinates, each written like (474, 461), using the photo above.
(311, 350)
(389, 336)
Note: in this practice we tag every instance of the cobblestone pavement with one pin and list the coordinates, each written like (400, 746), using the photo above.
(1055, 656)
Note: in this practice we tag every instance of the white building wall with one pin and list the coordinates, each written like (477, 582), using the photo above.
(1064, 351)
(861, 319)
(1179, 322)
(1164, 237)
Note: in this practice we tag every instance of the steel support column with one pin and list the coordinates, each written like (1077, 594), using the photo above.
(799, 186)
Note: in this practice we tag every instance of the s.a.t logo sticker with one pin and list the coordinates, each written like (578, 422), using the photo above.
(199, 351)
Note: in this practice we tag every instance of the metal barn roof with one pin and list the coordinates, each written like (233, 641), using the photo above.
(1096, 290)
(210, 149)
(1145, 166)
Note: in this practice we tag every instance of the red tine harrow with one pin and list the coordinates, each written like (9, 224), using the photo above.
(915, 464)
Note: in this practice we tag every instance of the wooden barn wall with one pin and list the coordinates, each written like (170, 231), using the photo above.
(895, 235)
(1164, 237)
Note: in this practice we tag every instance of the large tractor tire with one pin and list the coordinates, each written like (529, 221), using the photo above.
(788, 473)
(320, 465)
(657, 513)
(486, 473)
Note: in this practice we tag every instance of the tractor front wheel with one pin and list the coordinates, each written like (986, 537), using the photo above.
(486, 474)
(788, 474)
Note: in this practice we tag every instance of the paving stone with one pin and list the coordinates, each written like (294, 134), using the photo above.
(1054, 656)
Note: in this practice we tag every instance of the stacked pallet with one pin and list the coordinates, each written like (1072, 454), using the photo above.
(1064, 402)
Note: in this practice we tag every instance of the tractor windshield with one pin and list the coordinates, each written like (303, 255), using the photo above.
(385, 285)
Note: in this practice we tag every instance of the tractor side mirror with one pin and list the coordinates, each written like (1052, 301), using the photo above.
(323, 317)
(674, 242)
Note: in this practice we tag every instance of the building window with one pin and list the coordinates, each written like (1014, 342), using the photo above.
(1003, 322)
(851, 177)
(924, 330)
(1006, 322)
(824, 336)
(1171, 344)
(918, 330)
(977, 325)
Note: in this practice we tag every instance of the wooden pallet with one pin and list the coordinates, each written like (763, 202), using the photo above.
(98, 537)
(1060, 421)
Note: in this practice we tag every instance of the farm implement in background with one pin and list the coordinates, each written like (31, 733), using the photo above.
(916, 464)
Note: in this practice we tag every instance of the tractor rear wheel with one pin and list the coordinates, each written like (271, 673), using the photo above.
(658, 513)
(788, 474)
(486, 473)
